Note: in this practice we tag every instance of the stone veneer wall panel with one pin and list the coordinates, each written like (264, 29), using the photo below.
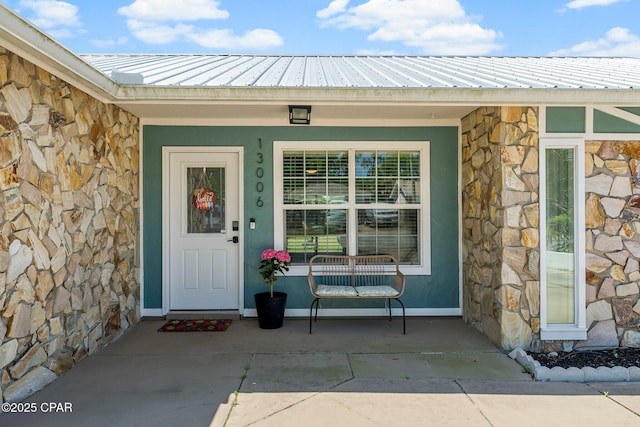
(69, 202)
(500, 224)
(500, 184)
(612, 173)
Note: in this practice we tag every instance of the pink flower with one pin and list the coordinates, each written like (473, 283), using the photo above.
(268, 254)
(283, 256)
(273, 262)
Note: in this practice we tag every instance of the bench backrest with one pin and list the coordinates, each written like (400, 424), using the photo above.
(355, 270)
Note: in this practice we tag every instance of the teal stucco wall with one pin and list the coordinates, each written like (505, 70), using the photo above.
(573, 120)
(438, 290)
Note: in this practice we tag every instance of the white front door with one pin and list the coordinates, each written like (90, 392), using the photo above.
(202, 199)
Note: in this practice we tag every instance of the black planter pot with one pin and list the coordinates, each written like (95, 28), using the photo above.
(270, 310)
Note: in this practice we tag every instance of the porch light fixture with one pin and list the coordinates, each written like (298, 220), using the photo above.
(299, 114)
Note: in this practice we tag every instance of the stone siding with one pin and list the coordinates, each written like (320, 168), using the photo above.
(69, 225)
(500, 184)
(613, 244)
(500, 224)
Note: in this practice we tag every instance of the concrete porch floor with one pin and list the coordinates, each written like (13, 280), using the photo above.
(350, 372)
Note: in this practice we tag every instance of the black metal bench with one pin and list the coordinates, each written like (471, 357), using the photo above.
(355, 276)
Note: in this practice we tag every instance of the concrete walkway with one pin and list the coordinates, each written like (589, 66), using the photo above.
(350, 372)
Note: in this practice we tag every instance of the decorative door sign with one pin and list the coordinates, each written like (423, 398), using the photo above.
(204, 199)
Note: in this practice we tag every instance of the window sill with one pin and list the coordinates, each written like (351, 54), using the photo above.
(562, 334)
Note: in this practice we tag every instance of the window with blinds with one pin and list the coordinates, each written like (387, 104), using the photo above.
(358, 199)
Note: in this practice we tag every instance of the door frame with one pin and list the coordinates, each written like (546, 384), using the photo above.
(166, 153)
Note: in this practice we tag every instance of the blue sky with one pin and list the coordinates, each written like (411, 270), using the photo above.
(341, 27)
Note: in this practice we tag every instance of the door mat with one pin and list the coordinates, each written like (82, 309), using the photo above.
(196, 325)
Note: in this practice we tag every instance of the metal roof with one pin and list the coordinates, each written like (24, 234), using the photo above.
(373, 71)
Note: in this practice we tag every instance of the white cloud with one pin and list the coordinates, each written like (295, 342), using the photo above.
(153, 33)
(335, 7)
(441, 28)
(452, 39)
(209, 38)
(104, 44)
(374, 52)
(163, 22)
(579, 4)
(226, 39)
(58, 18)
(617, 41)
(163, 10)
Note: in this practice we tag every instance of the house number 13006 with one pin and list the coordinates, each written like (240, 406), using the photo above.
(259, 174)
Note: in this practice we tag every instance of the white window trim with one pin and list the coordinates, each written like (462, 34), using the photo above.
(578, 330)
(424, 268)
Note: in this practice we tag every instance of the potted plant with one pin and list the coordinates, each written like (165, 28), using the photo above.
(270, 305)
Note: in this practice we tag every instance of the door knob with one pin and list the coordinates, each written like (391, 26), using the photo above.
(235, 239)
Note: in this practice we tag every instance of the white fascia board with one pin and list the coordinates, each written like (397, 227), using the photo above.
(25, 40)
(380, 96)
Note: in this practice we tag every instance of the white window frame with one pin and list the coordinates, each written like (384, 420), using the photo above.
(577, 330)
(424, 265)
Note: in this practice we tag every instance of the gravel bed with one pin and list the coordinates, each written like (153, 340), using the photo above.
(625, 357)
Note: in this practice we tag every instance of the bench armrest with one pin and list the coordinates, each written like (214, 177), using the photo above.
(313, 287)
(399, 282)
